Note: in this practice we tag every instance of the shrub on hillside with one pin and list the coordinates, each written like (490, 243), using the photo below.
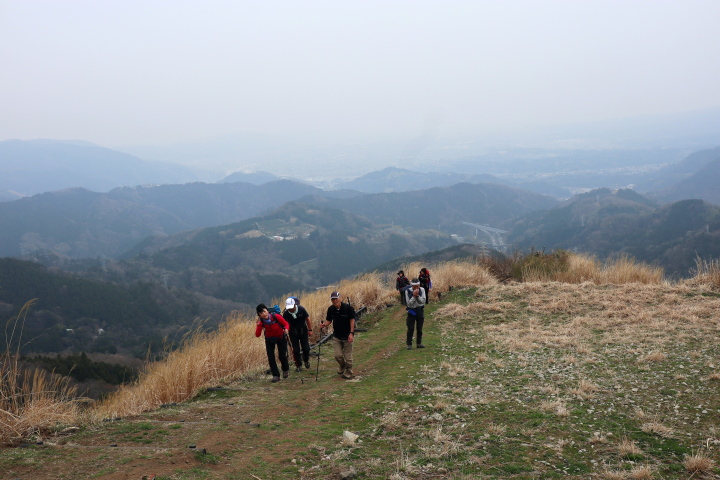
(541, 266)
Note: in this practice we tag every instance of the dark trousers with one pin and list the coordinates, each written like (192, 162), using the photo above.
(415, 320)
(299, 342)
(402, 298)
(281, 344)
(427, 294)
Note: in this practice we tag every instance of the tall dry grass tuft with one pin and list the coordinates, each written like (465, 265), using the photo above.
(32, 401)
(204, 360)
(578, 268)
(707, 272)
(626, 270)
(461, 274)
(698, 463)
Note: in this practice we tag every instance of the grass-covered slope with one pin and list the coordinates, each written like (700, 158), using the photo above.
(524, 380)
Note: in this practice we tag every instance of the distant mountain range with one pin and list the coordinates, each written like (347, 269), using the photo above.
(696, 176)
(38, 166)
(444, 208)
(28, 167)
(255, 178)
(80, 223)
(393, 179)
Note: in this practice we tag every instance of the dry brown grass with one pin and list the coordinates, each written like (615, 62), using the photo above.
(657, 428)
(635, 306)
(614, 474)
(585, 389)
(558, 407)
(583, 268)
(628, 447)
(653, 357)
(32, 401)
(642, 472)
(460, 274)
(206, 359)
(707, 272)
(698, 463)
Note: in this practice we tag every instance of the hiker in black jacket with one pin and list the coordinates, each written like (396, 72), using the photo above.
(342, 317)
(400, 283)
(300, 327)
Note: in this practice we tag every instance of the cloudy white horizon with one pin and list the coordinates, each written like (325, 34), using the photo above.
(161, 72)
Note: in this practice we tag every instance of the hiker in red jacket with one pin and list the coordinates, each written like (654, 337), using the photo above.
(275, 328)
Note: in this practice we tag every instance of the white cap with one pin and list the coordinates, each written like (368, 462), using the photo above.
(289, 303)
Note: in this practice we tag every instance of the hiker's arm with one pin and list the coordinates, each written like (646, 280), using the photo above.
(308, 323)
(352, 330)
(328, 319)
(284, 323)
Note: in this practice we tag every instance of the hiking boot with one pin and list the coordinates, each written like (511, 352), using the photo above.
(307, 365)
(347, 375)
(275, 379)
(286, 373)
(409, 347)
(298, 369)
(420, 345)
(341, 371)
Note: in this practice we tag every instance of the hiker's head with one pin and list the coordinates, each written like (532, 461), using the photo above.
(335, 298)
(262, 311)
(401, 273)
(290, 305)
(415, 284)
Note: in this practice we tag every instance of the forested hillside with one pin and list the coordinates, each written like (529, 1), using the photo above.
(609, 223)
(75, 314)
(295, 248)
(167, 283)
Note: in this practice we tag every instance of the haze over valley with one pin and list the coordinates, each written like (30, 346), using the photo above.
(165, 164)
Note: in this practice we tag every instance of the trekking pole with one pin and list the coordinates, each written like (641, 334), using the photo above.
(317, 369)
(290, 352)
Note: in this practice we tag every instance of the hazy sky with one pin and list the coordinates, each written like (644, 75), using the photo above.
(136, 72)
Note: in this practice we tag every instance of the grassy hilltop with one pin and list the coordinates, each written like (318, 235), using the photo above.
(577, 371)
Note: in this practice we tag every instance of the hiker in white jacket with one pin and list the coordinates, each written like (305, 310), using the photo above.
(415, 301)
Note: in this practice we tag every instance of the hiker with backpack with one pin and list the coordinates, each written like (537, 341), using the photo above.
(400, 283)
(300, 327)
(275, 327)
(415, 299)
(425, 283)
(342, 316)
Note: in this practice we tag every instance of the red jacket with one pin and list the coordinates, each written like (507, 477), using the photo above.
(273, 326)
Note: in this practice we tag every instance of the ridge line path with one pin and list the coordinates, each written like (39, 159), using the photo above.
(246, 429)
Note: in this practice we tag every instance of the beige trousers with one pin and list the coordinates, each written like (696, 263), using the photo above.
(343, 355)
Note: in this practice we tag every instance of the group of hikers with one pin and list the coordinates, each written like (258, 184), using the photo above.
(294, 324)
